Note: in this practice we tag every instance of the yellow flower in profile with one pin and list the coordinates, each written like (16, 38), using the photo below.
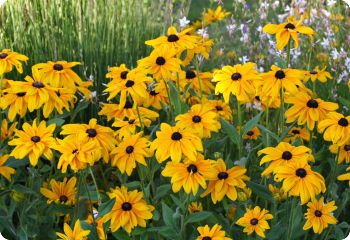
(34, 140)
(201, 118)
(244, 194)
(283, 154)
(344, 153)
(335, 128)
(287, 30)
(8, 59)
(78, 233)
(157, 96)
(179, 141)
(161, 63)
(225, 182)
(317, 74)
(60, 192)
(255, 220)
(6, 171)
(199, 82)
(299, 180)
(174, 39)
(194, 207)
(240, 80)
(278, 193)
(7, 131)
(297, 133)
(214, 233)
(345, 176)
(127, 127)
(221, 108)
(252, 134)
(59, 74)
(16, 103)
(308, 110)
(203, 47)
(214, 15)
(132, 149)
(129, 210)
(189, 175)
(319, 215)
(93, 132)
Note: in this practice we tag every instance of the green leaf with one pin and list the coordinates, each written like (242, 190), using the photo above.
(162, 191)
(58, 121)
(106, 207)
(260, 190)
(197, 217)
(23, 189)
(345, 102)
(251, 124)
(230, 130)
(168, 214)
(267, 131)
(175, 97)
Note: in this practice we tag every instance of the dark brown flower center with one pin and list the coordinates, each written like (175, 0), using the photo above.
(58, 67)
(192, 168)
(257, 98)
(313, 72)
(153, 93)
(21, 94)
(236, 76)
(250, 133)
(254, 221)
(312, 103)
(3, 55)
(347, 147)
(318, 213)
(222, 175)
(128, 104)
(173, 38)
(176, 136)
(295, 131)
(63, 199)
(206, 238)
(74, 151)
(126, 206)
(286, 155)
(190, 74)
(58, 93)
(129, 149)
(129, 83)
(131, 121)
(91, 132)
(343, 122)
(196, 119)
(124, 74)
(218, 108)
(38, 85)
(301, 172)
(280, 74)
(35, 139)
(289, 26)
(160, 61)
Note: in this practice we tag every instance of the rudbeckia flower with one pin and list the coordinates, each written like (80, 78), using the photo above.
(78, 233)
(6, 171)
(132, 149)
(317, 74)
(157, 96)
(60, 192)
(189, 175)
(308, 110)
(255, 220)
(117, 74)
(252, 134)
(7, 131)
(345, 176)
(33, 141)
(299, 180)
(203, 47)
(58, 74)
(335, 128)
(194, 207)
(221, 108)
(199, 82)
(16, 103)
(282, 155)
(278, 193)
(285, 31)
(344, 152)
(297, 133)
(127, 127)
(240, 80)
(226, 182)
(214, 15)
(8, 59)
(178, 141)
(319, 215)
(129, 210)
(207, 233)
(201, 118)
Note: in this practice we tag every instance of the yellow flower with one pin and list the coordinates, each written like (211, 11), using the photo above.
(335, 128)
(6, 131)
(8, 59)
(129, 210)
(203, 47)
(317, 74)
(252, 134)
(16, 103)
(319, 215)
(226, 182)
(127, 127)
(117, 74)
(157, 96)
(344, 153)
(33, 141)
(240, 80)
(214, 233)
(189, 175)
(345, 176)
(308, 110)
(200, 83)
(6, 171)
(132, 149)
(221, 108)
(285, 31)
(214, 15)
(244, 194)
(299, 180)
(297, 133)
(255, 220)
(78, 233)
(194, 207)
(278, 193)
(231, 213)
(60, 192)
(178, 141)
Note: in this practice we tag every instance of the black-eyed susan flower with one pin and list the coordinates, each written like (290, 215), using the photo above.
(240, 80)
(7, 131)
(132, 149)
(278, 193)
(33, 141)
(15, 102)
(213, 233)
(199, 82)
(226, 182)
(99, 225)
(300, 180)
(308, 110)
(297, 133)
(68, 100)
(77, 153)
(287, 30)
(283, 154)
(8, 59)
(344, 152)
(60, 192)
(255, 220)
(161, 63)
(345, 176)
(117, 74)
(317, 74)
(319, 215)
(252, 134)
(129, 210)
(194, 207)
(212, 15)
(201, 118)
(6, 171)
(179, 141)
(221, 108)
(157, 96)
(77, 233)
(59, 74)
(335, 128)
(189, 175)
(93, 132)
(203, 48)
(127, 127)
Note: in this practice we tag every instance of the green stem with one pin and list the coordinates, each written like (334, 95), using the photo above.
(281, 124)
(267, 127)
(90, 201)
(139, 116)
(77, 195)
(291, 219)
(240, 145)
(95, 183)
(199, 80)
(333, 174)
(311, 132)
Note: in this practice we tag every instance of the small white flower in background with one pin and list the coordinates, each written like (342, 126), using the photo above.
(91, 78)
(184, 22)
(243, 59)
(335, 54)
(220, 1)
(95, 213)
(330, 3)
(203, 32)
(259, 28)
(261, 69)
(265, 5)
